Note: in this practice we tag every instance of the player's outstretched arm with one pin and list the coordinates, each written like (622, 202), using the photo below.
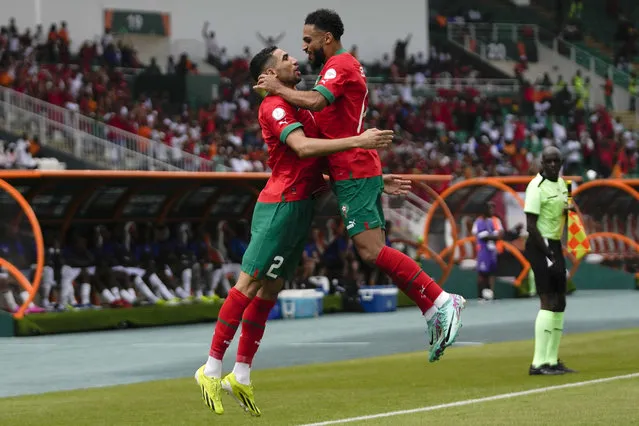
(311, 99)
(310, 147)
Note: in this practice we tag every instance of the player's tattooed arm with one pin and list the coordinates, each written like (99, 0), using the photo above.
(311, 100)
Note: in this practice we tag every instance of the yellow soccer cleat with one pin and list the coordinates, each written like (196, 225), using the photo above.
(243, 394)
(211, 391)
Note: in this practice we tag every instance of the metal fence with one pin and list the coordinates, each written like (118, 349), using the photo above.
(91, 140)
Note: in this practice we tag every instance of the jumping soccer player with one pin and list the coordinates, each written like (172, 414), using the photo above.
(546, 206)
(281, 224)
(340, 99)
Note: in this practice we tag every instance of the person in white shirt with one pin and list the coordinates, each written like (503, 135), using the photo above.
(23, 158)
(107, 38)
(226, 110)
(559, 132)
(573, 156)
(509, 128)
(177, 143)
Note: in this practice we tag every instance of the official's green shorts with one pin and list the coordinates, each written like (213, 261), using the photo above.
(360, 203)
(279, 232)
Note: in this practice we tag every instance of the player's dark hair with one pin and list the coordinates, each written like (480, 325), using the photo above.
(326, 20)
(260, 61)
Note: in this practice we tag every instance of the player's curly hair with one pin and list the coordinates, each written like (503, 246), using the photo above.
(261, 61)
(326, 20)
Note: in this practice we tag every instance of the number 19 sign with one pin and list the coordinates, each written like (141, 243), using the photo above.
(121, 21)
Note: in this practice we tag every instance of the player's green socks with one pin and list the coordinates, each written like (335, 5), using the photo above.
(543, 331)
(552, 355)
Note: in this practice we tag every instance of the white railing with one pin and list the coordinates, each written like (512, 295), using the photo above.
(67, 138)
(91, 140)
(430, 85)
(408, 215)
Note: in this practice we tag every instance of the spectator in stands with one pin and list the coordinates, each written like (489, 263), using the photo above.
(152, 68)
(270, 40)
(633, 89)
(626, 36)
(576, 10)
(353, 52)
(609, 88)
(212, 48)
(400, 51)
(23, 158)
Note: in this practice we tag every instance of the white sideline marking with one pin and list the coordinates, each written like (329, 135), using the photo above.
(475, 401)
(16, 344)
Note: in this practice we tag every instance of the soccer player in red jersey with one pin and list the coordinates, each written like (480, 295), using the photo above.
(340, 100)
(281, 224)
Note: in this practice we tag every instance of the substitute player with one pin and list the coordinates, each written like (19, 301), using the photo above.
(488, 231)
(281, 224)
(340, 99)
(546, 206)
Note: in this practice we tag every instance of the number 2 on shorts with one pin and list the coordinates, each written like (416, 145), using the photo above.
(277, 263)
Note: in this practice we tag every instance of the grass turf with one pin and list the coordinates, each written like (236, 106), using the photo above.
(314, 393)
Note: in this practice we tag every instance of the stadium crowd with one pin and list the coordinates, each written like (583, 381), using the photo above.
(458, 130)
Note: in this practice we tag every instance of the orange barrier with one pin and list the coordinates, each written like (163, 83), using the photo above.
(511, 248)
(449, 215)
(497, 183)
(624, 185)
(32, 288)
(632, 243)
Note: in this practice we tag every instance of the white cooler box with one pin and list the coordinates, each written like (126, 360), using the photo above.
(381, 298)
(301, 303)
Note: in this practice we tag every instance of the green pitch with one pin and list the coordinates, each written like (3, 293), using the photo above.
(365, 387)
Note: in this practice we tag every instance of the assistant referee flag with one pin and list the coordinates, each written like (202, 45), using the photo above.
(578, 244)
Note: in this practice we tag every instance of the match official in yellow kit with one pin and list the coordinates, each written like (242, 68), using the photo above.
(546, 208)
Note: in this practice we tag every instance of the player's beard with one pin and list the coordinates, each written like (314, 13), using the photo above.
(318, 57)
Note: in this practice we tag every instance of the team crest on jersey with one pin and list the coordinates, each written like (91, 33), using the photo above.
(278, 113)
(330, 74)
(345, 211)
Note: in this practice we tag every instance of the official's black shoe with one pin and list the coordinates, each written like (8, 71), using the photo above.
(544, 370)
(562, 367)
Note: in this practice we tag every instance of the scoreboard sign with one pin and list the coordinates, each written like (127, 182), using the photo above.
(121, 21)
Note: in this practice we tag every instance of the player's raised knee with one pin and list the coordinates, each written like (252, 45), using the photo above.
(368, 245)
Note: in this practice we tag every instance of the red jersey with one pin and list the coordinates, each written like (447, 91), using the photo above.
(343, 83)
(292, 178)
